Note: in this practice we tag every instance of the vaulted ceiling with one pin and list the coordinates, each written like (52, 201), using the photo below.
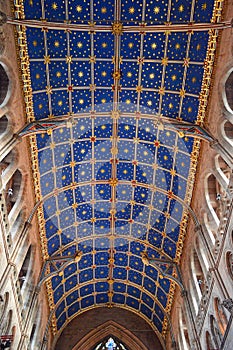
(114, 179)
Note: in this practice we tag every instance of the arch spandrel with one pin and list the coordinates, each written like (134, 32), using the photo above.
(98, 324)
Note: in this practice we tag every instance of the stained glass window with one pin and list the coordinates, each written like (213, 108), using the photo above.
(110, 344)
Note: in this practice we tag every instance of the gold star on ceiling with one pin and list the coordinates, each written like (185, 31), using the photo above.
(204, 6)
(131, 10)
(54, 6)
(181, 8)
(79, 8)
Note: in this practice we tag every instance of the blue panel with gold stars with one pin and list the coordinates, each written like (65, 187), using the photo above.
(111, 176)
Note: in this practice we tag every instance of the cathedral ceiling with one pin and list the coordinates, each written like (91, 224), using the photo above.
(114, 179)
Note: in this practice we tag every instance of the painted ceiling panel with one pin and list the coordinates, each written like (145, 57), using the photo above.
(115, 178)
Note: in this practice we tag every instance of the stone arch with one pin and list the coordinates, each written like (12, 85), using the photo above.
(5, 84)
(110, 328)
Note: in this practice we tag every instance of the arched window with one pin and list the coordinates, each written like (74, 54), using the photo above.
(4, 86)
(209, 343)
(220, 315)
(228, 127)
(25, 268)
(228, 131)
(110, 343)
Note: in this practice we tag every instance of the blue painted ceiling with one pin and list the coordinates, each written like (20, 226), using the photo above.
(124, 169)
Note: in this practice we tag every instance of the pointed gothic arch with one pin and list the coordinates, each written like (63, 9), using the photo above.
(110, 328)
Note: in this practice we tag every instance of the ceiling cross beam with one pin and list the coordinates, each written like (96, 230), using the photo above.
(141, 27)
